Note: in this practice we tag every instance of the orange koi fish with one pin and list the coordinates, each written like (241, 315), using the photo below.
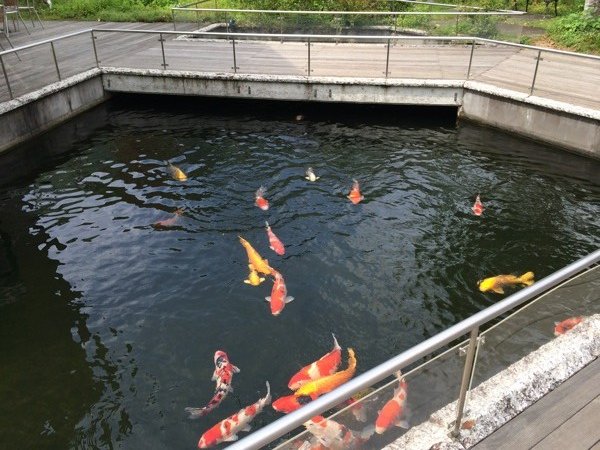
(477, 207)
(166, 223)
(177, 173)
(290, 403)
(274, 243)
(336, 436)
(394, 409)
(326, 365)
(355, 196)
(496, 284)
(223, 375)
(259, 264)
(253, 278)
(328, 383)
(260, 201)
(279, 297)
(566, 325)
(227, 429)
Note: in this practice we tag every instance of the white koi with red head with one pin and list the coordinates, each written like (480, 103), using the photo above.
(477, 207)
(260, 201)
(394, 410)
(279, 296)
(223, 375)
(274, 243)
(355, 196)
(326, 365)
(336, 436)
(226, 430)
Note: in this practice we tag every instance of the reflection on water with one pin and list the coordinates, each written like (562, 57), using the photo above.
(113, 323)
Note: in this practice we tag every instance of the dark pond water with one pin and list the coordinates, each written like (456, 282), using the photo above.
(108, 326)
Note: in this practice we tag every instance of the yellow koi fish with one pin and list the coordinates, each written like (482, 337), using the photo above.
(177, 173)
(497, 283)
(259, 264)
(253, 278)
(328, 383)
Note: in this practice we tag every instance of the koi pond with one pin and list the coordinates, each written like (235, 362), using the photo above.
(109, 322)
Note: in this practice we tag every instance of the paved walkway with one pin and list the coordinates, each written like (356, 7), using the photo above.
(566, 418)
(501, 66)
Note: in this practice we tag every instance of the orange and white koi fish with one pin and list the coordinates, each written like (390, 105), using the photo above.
(260, 201)
(227, 429)
(496, 284)
(328, 383)
(290, 403)
(166, 223)
(477, 207)
(279, 297)
(177, 173)
(336, 436)
(223, 375)
(259, 264)
(274, 243)
(395, 408)
(355, 196)
(566, 325)
(310, 175)
(326, 365)
(253, 278)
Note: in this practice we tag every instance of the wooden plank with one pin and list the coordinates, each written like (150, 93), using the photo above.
(580, 432)
(548, 413)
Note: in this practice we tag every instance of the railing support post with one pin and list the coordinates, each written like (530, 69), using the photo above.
(234, 56)
(466, 379)
(174, 23)
(387, 58)
(6, 78)
(95, 49)
(55, 60)
(308, 45)
(537, 63)
(471, 59)
(162, 49)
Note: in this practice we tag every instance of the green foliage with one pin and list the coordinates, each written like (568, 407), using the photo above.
(479, 25)
(579, 31)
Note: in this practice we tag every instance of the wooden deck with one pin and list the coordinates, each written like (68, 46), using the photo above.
(566, 418)
(501, 66)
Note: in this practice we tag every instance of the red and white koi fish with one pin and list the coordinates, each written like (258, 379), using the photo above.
(395, 409)
(336, 436)
(166, 223)
(566, 325)
(274, 243)
(227, 429)
(279, 296)
(260, 201)
(326, 365)
(223, 375)
(355, 196)
(290, 403)
(477, 207)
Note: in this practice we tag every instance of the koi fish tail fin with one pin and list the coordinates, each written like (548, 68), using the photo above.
(235, 369)
(267, 397)
(267, 224)
(527, 278)
(399, 376)
(196, 413)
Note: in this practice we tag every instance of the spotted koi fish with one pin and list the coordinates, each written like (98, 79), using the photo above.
(477, 207)
(335, 436)
(326, 365)
(355, 196)
(259, 199)
(328, 383)
(226, 430)
(223, 375)
(274, 243)
(290, 403)
(394, 410)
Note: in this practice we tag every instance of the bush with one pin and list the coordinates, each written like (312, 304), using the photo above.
(578, 31)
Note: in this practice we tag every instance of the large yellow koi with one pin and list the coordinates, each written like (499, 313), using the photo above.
(328, 383)
(496, 284)
(259, 264)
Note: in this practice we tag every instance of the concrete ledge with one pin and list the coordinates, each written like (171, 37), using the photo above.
(571, 127)
(289, 88)
(30, 115)
(502, 397)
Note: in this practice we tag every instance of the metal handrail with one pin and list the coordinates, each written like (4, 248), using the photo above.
(293, 420)
(498, 12)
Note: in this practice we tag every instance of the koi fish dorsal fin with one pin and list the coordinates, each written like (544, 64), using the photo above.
(527, 278)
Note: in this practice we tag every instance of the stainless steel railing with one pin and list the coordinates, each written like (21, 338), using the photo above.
(280, 427)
